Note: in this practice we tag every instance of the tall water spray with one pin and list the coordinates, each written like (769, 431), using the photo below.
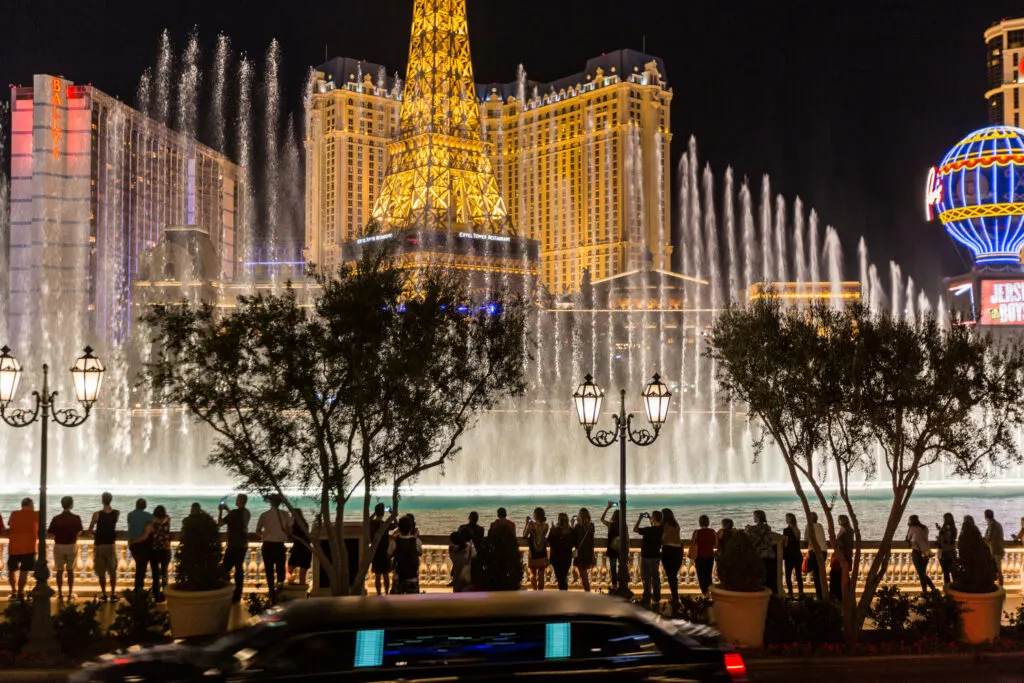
(161, 109)
(271, 116)
(218, 93)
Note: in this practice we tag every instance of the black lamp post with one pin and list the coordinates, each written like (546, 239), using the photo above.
(588, 398)
(87, 376)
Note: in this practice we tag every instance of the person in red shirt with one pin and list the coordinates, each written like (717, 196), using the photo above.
(64, 530)
(21, 551)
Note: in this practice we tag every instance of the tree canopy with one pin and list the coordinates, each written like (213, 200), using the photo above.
(366, 389)
(846, 396)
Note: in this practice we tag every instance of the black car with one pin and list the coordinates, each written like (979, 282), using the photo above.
(455, 637)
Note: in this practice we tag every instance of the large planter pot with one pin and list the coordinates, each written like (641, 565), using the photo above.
(982, 613)
(199, 613)
(740, 617)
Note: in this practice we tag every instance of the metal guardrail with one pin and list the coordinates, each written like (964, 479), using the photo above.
(435, 567)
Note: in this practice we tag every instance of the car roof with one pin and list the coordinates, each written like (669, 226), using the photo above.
(513, 605)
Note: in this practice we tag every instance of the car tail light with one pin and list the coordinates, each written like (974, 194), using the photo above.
(735, 667)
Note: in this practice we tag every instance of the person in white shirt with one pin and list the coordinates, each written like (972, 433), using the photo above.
(920, 551)
(816, 557)
(274, 527)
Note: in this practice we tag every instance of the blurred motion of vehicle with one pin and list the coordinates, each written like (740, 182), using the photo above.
(473, 636)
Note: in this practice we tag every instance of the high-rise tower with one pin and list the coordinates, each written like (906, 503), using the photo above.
(1004, 42)
(439, 176)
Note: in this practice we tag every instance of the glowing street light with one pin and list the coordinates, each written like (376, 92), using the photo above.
(588, 398)
(87, 377)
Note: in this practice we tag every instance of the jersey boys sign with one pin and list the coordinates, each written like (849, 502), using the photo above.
(1002, 302)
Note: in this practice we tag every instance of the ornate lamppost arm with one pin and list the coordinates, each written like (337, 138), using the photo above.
(20, 417)
(642, 436)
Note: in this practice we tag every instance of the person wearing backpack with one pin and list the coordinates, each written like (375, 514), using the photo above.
(536, 534)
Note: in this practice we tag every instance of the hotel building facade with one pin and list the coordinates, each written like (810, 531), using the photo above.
(94, 185)
(582, 163)
(1004, 43)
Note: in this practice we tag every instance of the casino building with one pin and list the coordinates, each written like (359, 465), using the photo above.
(94, 184)
(576, 168)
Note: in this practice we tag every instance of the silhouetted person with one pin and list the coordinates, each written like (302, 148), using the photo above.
(139, 543)
(237, 522)
(103, 527)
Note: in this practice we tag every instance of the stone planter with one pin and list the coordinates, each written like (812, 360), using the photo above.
(199, 613)
(740, 617)
(293, 591)
(982, 613)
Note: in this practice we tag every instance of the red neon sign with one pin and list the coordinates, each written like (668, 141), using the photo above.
(932, 192)
(1002, 302)
(55, 101)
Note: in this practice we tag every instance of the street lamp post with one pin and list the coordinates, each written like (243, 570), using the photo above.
(588, 398)
(87, 376)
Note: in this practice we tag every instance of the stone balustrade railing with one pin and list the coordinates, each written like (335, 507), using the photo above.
(435, 567)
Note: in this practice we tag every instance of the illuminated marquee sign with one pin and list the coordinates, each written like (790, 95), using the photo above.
(932, 192)
(55, 101)
(1002, 302)
(484, 236)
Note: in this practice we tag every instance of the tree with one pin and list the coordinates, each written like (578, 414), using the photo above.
(830, 388)
(368, 388)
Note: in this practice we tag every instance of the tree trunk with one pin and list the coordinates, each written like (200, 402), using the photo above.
(881, 561)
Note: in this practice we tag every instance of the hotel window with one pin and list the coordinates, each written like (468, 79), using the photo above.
(1016, 98)
(1014, 39)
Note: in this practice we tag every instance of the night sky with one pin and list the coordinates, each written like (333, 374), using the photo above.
(845, 103)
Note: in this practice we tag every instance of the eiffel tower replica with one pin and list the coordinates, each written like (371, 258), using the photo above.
(440, 198)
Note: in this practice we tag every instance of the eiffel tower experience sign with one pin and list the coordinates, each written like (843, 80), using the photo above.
(440, 203)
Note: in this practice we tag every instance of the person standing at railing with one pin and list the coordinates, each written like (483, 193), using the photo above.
(920, 551)
(503, 522)
(947, 546)
(380, 563)
(21, 548)
(764, 540)
(64, 530)
(613, 543)
(140, 545)
(301, 556)
(843, 548)
(160, 559)
(461, 551)
(560, 542)
(792, 558)
(584, 556)
(536, 534)
(1019, 536)
(103, 529)
(671, 552)
(650, 555)
(995, 541)
(817, 549)
(273, 526)
(703, 545)
(237, 522)
(476, 531)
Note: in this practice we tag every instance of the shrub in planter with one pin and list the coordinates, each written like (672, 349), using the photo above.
(974, 587)
(256, 603)
(741, 600)
(740, 568)
(891, 609)
(974, 570)
(197, 562)
(498, 566)
(199, 602)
